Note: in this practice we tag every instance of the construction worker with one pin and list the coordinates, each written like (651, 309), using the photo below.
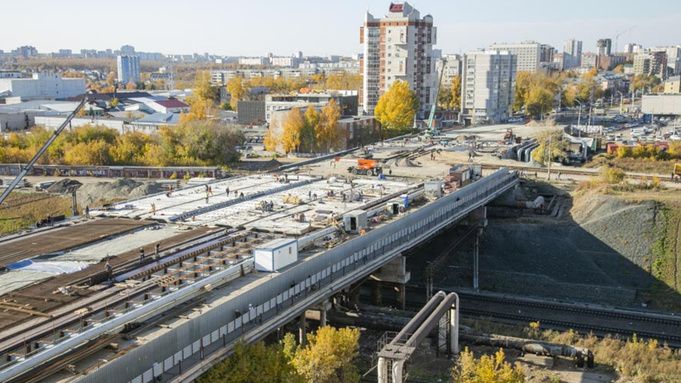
(87, 211)
(157, 254)
(153, 208)
(109, 270)
(141, 254)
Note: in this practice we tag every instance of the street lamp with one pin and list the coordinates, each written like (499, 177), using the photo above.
(621, 101)
(579, 117)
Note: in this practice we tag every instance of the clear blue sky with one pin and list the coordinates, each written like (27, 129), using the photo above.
(321, 27)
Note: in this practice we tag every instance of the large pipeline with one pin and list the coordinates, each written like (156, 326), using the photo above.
(414, 324)
(580, 354)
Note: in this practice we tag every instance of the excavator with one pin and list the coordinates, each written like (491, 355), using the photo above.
(362, 166)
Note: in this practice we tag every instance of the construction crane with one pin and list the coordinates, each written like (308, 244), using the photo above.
(617, 36)
(42, 150)
(437, 92)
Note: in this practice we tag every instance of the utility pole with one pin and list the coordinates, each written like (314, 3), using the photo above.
(548, 173)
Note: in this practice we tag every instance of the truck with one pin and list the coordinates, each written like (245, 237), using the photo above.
(677, 171)
(365, 167)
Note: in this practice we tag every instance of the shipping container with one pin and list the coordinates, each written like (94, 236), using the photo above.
(276, 255)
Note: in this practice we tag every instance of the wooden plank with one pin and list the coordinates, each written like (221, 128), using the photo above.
(25, 311)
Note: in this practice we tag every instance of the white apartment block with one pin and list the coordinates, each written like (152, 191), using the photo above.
(488, 86)
(633, 48)
(572, 54)
(398, 47)
(42, 86)
(452, 67)
(254, 61)
(528, 54)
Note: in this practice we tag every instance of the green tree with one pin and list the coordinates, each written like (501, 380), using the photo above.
(487, 369)
(396, 109)
(328, 356)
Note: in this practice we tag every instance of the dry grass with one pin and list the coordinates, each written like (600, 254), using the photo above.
(21, 217)
(635, 165)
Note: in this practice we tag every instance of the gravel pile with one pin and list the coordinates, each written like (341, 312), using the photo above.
(95, 194)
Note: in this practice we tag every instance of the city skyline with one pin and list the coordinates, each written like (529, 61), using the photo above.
(315, 28)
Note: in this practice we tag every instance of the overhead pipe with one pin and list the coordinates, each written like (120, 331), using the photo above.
(419, 317)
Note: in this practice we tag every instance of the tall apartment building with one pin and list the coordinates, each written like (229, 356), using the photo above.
(398, 47)
(528, 54)
(452, 67)
(673, 58)
(128, 68)
(604, 47)
(488, 86)
(590, 60)
(650, 63)
(572, 54)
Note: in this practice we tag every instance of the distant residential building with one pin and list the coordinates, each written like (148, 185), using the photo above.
(289, 62)
(673, 85)
(604, 47)
(546, 55)
(488, 86)
(128, 50)
(350, 66)
(254, 61)
(128, 68)
(452, 67)
(528, 54)
(398, 46)
(25, 51)
(632, 48)
(672, 58)
(46, 86)
(10, 74)
(572, 54)
(610, 62)
(652, 63)
(589, 60)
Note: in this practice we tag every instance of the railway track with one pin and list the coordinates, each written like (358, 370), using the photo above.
(672, 340)
(565, 171)
(603, 313)
(564, 316)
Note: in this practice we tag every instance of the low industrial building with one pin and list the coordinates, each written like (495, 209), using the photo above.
(42, 86)
(662, 104)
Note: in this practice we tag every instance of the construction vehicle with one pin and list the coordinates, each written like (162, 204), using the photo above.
(677, 170)
(362, 166)
(509, 135)
(430, 131)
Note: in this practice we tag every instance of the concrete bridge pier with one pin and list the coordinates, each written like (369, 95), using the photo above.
(394, 273)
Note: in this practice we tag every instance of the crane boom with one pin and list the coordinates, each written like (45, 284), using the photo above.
(42, 150)
(437, 92)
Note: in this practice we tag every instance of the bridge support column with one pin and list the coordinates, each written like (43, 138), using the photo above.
(376, 293)
(323, 308)
(394, 272)
(382, 370)
(400, 296)
(302, 329)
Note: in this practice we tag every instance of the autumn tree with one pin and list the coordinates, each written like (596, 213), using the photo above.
(111, 79)
(551, 146)
(539, 101)
(203, 89)
(293, 125)
(487, 369)
(328, 356)
(643, 82)
(235, 86)
(328, 134)
(522, 88)
(456, 93)
(396, 109)
(591, 74)
(253, 363)
(308, 142)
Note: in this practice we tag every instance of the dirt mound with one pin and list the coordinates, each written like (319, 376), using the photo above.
(102, 192)
(259, 166)
(628, 228)
(64, 186)
(464, 137)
